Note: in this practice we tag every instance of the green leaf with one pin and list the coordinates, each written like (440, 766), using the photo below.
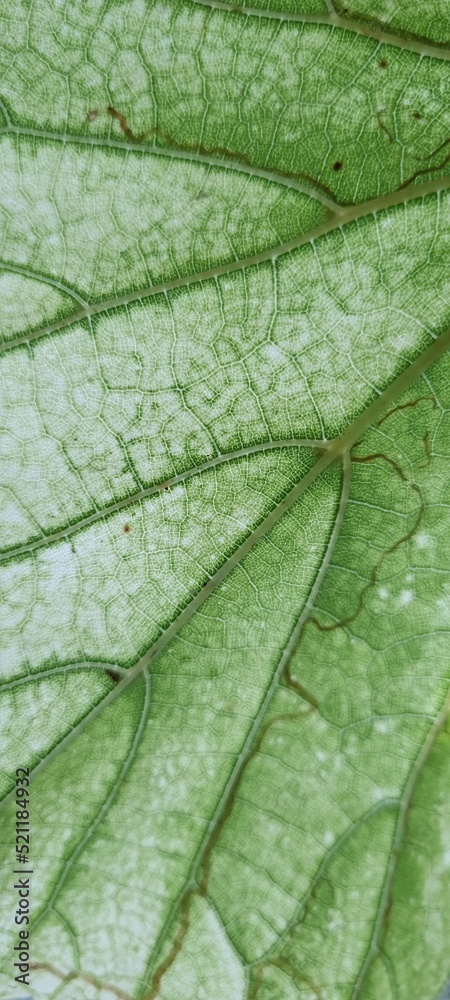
(225, 522)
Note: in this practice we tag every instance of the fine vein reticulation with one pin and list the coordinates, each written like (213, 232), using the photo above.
(224, 499)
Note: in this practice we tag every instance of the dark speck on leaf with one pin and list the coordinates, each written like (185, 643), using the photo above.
(382, 64)
(127, 528)
(338, 165)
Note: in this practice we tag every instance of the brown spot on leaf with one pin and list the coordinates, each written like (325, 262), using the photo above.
(127, 528)
(384, 127)
(405, 406)
(338, 165)
(67, 977)
(427, 449)
(258, 973)
(174, 951)
(120, 118)
(113, 675)
(299, 689)
(382, 63)
(221, 151)
(287, 966)
(431, 166)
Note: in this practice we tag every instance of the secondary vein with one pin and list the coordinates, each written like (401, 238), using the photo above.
(346, 214)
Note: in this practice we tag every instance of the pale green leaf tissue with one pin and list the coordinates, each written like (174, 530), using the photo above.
(225, 498)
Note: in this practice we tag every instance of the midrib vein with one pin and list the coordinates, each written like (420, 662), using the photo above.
(333, 451)
(342, 217)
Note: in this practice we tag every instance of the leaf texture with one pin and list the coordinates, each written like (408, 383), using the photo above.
(224, 498)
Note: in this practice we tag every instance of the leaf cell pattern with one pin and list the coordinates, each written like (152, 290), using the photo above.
(225, 521)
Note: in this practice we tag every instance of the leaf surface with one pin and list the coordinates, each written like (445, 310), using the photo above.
(224, 498)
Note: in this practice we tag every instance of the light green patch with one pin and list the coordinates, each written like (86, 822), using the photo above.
(48, 716)
(113, 569)
(151, 390)
(324, 949)
(28, 304)
(224, 500)
(420, 890)
(107, 222)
